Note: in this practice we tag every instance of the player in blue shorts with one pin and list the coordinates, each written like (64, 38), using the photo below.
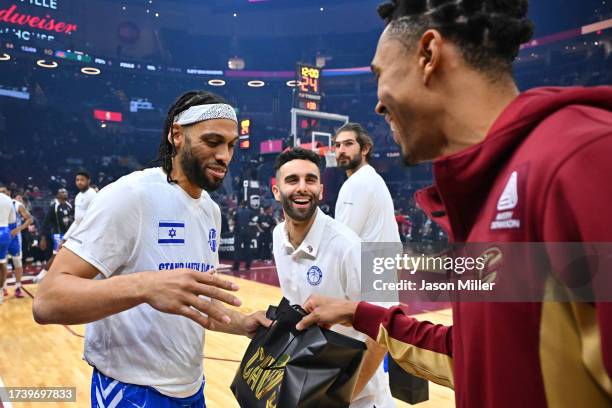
(23, 221)
(7, 217)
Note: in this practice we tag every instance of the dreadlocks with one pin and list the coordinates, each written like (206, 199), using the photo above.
(167, 150)
(488, 32)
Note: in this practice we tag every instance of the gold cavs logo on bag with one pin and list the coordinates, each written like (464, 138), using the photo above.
(263, 373)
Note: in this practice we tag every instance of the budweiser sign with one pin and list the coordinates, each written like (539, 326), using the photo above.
(47, 23)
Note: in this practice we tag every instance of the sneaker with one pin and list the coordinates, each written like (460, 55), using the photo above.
(18, 293)
(40, 276)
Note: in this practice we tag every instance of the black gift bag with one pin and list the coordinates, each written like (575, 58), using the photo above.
(287, 368)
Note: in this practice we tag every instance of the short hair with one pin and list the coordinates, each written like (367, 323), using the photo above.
(488, 32)
(84, 173)
(166, 149)
(361, 135)
(296, 153)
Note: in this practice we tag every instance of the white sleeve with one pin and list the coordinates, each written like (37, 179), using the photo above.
(353, 209)
(108, 235)
(351, 272)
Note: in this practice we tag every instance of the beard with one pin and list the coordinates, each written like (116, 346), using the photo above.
(299, 214)
(195, 170)
(352, 164)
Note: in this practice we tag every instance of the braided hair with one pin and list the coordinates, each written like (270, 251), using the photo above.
(167, 150)
(488, 32)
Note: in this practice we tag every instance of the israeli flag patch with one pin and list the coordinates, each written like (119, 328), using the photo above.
(171, 233)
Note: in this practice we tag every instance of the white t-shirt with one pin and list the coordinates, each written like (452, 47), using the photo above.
(365, 205)
(7, 211)
(143, 223)
(328, 262)
(81, 204)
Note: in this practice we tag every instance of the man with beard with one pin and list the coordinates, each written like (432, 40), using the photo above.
(508, 167)
(316, 254)
(82, 200)
(139, 267)
(364, 203)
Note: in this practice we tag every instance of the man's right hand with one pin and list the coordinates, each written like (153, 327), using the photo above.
(178, 292)
(326, 311)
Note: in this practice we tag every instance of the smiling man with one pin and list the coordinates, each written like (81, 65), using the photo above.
(508, 167)
(316, 254)
(139, 267)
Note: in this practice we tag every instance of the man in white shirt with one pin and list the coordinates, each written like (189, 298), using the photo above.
(315, 254)
(81, 201)
(364, 203)
(7, 217)
(137, 268)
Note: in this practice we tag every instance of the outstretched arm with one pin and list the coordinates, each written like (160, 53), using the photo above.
(70, 295)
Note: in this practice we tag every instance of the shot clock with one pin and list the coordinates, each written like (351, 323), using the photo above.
(309, 87)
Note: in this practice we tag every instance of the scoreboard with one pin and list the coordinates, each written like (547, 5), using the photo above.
(309, 87)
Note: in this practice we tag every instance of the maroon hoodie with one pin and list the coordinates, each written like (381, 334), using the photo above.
(554, 147)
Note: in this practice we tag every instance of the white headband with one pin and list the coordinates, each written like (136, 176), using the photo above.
(201, 113)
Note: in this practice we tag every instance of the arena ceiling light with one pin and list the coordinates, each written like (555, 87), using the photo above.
(293, 83)
(47, 64)
(256, 84)
(216, 82)
(90, 71)
(5, 57)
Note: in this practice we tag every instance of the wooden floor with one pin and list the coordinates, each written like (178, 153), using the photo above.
(33, 355)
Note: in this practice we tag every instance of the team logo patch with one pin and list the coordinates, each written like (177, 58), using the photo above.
(171, 233)
(314, 275)
(212, 239)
